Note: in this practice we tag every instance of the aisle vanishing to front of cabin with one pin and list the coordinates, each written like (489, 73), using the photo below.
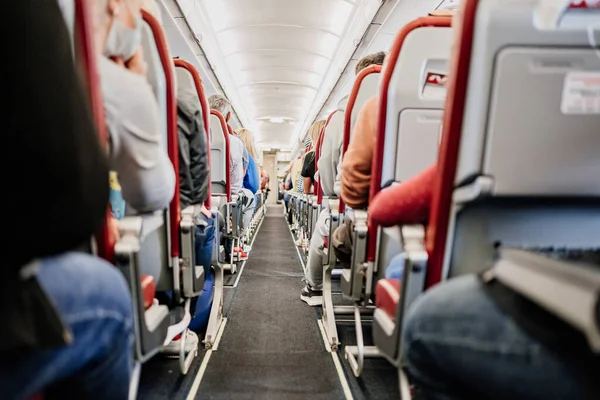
(271, 347)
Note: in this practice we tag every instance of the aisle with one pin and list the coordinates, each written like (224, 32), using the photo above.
(272, 347)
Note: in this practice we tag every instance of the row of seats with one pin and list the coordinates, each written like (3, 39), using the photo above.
(165, 239)
(510, 181)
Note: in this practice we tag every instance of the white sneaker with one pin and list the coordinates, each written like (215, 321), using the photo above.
(191, 344)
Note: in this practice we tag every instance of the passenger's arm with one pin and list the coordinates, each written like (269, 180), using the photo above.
(145, 171)
(407, 203)
(356, 166)
(307, 185)
(245, 158)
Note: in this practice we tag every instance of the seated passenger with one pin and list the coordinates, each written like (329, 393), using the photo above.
(405, 204)
(329, 167)
(238, 166)
(264, 181)
(297, 181)
(194, 171)
(67, 326)
(287, 188)
(302, 239)
(194, 175)
(132, 116)
(251, 179)
(308, 167)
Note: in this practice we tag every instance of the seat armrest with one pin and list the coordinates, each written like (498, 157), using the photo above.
(131, 226)
(150, 323)
(332, 203)
(188, 212)
(360, 276)
(192, 275)
(569, 290)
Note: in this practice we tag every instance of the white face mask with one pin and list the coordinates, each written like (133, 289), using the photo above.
(123, 41)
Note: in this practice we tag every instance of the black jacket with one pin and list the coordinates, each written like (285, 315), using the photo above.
(308, 166)
(193, 159)
(56, 173)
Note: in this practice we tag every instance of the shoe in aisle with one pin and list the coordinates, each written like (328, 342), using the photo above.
(191, 344)
(311, 297)
(241, 254)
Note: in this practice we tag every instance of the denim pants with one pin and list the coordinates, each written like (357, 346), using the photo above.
(316, 252)
(204, 241)
(395, 269)
(248, 203)
(94, 302)
(457, 344)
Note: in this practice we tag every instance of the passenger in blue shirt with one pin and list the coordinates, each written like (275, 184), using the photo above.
(251, 178)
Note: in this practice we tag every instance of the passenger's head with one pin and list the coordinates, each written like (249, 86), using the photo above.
(221, 104)
(315, 130)
(118, 26)
(371, 59)
(248, 139)
(442, 13)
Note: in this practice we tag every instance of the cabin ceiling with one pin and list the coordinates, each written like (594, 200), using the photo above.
(277, 54)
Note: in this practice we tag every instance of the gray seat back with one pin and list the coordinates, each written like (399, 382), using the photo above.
(415, 102)
(528, 155)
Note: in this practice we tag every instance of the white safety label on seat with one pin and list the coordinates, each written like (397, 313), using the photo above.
(581, 93)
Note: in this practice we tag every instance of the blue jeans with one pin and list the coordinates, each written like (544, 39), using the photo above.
(204, 244)
(204, 241)
(94, 302)
(459, 345)
(395, 269)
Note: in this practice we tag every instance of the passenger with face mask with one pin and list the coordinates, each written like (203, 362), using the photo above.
(67, 327)
(132, 115)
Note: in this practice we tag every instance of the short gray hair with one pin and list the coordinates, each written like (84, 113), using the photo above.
(371, 59)
(220, 103)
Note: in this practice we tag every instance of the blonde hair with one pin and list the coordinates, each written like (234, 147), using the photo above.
(315, 130)
(248, 140)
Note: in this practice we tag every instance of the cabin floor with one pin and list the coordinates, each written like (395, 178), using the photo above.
(272, 347)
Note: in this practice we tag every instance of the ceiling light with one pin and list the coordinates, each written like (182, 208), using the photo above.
(277, 120)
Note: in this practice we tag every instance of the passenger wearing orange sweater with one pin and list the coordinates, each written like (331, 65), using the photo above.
(356, 165)
(330, 170)
(356, 174)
